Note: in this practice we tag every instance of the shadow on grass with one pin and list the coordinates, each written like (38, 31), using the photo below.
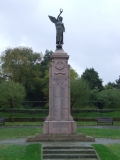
(104, 153)
(33, 152)
(18, 152)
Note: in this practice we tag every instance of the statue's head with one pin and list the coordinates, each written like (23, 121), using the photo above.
(60, 19)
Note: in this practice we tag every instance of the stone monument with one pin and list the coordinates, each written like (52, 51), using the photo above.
(59, 120)
(59, 125)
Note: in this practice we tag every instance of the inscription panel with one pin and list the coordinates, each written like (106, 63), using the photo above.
(60, 127)
(60, 99)
(55, 103)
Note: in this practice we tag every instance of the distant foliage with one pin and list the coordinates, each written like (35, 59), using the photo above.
(118, 83)
(110, 98)
(80, 93)
(29, 69)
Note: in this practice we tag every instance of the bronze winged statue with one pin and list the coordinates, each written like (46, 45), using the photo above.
(59, 28)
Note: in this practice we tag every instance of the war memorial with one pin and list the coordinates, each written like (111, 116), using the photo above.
(59, 125)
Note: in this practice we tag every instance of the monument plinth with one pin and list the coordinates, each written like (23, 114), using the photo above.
(59, 119)
(59, 125)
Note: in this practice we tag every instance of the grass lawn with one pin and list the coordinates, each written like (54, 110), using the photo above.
(24, 115)
(20, 152)
(105, 153)
(100, 133)
(79, 123)
(6, 133)
(22, 124)
(24, 132)
(7, 152)
(114, 114)
(115, 148)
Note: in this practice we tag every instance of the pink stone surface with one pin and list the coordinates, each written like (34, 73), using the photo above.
(59, 127)
(59, 120)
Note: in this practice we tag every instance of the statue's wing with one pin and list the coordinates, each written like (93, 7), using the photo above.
(53, 19)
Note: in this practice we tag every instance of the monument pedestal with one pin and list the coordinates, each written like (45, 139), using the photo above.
(59, 125)
(59, 120)
(60, 137)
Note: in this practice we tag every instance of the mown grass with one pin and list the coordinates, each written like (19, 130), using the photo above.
(6, 133)
(115, 148)
(81, 123)
(23, 115)
(22, 124)
(105, 153)
(100, 133)
(20, 152)
(114, 114)
(7, 152)
(20, 132)
(85, 114)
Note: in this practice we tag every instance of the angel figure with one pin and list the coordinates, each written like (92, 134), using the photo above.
(59, 27)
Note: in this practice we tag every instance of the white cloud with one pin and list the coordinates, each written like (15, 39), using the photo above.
(92, 31)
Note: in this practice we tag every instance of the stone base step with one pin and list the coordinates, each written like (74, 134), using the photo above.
(68, 147)
(76, 159)
(69, 152)
(70, 156)
(62, 137)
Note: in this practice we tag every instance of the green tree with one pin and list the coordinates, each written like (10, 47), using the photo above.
(11, 95)
(110, 98)
(73, 74)
(46, 62)
(92, 77)
(2, 78)
(22, 65)
(118, 83)
(93, 101)
(110, 85)
(80, 92)
(113, 85)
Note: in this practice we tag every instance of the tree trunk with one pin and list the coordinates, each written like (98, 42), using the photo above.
(11, 109)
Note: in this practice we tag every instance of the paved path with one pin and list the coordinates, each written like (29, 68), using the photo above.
(22, 141)
(103, 127)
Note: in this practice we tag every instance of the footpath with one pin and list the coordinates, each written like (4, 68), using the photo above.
(22, 141)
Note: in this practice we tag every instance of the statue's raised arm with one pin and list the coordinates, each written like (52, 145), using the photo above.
(61, 10)
(59, 28)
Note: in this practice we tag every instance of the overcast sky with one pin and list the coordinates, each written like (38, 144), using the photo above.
(92, 37)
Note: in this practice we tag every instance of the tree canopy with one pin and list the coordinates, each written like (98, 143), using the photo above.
(18, 63)
(22, 65)
(31, 70)
(92, 78)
